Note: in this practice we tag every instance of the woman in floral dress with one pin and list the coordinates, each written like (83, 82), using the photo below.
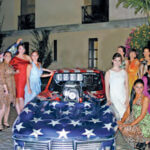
(146, 80)
(135, 123)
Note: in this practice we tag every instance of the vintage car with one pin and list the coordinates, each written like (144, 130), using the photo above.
(70, 114)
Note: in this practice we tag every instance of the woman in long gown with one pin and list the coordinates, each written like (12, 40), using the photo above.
(7, 76)
(133, 68)
(146, 80)
(20, 62)
(135, 123)
(116, 83)
(34, 74)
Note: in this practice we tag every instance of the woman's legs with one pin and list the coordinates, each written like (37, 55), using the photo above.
(6, 115)
(2, 111)
(21, 104)
(17, 106)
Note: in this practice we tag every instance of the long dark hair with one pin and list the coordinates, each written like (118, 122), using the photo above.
(7, 52)
(132, 50)
(123, 49)
(116, 55)
(133, 94)
(20, 44)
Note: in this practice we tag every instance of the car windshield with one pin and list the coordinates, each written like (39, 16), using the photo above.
(88, 81)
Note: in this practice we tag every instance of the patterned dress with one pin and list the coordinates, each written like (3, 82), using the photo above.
(133, 69)
(7, 77)
(10, 81)
(139, 132)
(146, 91)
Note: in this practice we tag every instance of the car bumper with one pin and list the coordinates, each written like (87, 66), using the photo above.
(58, 144)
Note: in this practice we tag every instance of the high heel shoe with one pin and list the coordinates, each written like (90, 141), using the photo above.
(6, 125)
(1, 127)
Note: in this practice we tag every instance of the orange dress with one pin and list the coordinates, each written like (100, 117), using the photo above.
(20, 78)
(133, 69)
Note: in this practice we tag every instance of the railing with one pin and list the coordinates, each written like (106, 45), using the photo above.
(26, 21)
(92, 14)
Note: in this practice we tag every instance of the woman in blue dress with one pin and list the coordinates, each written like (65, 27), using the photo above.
(34, 74)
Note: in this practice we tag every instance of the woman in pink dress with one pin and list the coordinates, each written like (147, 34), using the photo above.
(146, 79)
(20, 62)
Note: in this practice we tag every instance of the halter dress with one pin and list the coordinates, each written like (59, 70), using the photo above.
(35, 83)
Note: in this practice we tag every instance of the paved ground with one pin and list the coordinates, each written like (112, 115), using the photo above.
(6, 142)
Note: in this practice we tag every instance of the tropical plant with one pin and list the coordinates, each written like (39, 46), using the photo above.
(142, 6)
(42, 45)
(138, 38)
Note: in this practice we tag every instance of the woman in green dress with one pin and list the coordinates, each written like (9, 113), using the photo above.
(135, 123)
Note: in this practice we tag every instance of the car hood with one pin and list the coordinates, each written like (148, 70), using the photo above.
(45, 119)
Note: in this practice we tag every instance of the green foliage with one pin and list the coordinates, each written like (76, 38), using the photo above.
(42, 45)
(138, 38)
(142, 6)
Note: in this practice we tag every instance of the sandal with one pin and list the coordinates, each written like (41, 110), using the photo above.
(140, 146)
(1, 127)
(6, 125)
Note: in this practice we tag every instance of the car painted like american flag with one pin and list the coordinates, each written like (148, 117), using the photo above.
(70, 114)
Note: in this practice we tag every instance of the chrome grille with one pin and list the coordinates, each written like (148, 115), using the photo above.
(62, 145)
(37, 145)
(87, 145)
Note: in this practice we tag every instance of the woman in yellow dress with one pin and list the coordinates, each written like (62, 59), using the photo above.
(132, 68)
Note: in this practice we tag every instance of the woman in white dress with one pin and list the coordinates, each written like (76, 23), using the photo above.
(116, 84)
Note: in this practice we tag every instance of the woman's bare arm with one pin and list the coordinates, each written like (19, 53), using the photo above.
(127, 89)
(107, 89)
(29, 67)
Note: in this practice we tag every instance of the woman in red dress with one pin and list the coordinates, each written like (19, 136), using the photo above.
(20, 62)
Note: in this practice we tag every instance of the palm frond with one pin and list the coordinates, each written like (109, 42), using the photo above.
(41, 43)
